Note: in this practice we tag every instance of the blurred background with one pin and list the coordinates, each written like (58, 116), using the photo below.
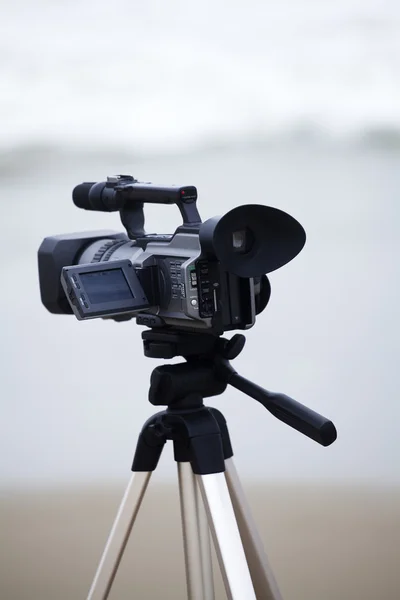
(293, 104)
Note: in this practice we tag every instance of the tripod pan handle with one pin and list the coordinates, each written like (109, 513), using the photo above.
(296, 415)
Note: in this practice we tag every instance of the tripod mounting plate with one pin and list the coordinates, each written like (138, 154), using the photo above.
(168, 344)
(162, 344)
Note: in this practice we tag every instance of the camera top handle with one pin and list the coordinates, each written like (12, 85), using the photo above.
(125, 194)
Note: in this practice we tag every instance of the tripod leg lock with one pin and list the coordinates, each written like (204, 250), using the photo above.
(197, 439)
(150, 444)
(223, 427)
(202, 450)
(204, 453)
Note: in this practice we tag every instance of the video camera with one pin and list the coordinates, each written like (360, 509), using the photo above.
(205, 278)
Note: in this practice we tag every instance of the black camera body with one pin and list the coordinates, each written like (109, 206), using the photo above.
(208, 277)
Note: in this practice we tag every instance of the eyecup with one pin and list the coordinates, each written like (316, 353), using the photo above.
(277, 239)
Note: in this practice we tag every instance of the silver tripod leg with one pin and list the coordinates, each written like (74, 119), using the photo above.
(263, 578)
(119, 536)
(196, 537)
(205, 547)
(227, 541)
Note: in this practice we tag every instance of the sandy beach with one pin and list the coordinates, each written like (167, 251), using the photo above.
(324, 543)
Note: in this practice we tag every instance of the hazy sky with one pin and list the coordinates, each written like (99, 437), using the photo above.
(241, 90)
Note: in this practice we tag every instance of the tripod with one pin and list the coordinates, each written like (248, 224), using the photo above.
(206, 470)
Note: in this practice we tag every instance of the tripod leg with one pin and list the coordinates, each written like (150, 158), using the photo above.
(205, 547)
(264, 582)
(231, 556)
(196, 539)
(119, 536)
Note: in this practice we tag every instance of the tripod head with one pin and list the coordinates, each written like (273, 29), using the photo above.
(207, 372)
